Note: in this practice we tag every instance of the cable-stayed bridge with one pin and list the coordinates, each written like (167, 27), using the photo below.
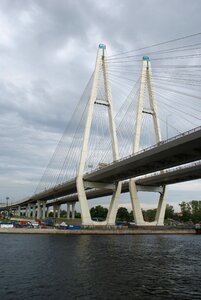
(182, 149)
(179, 150)
(92, 159)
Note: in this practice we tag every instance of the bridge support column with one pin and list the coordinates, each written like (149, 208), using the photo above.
(160, 213)
(112, 212)
(47, 211)
(19, 211)
(26, 211)
(38, 213)
(54, 211)
(43, 209)
(73, 210)
(58, 211)
(34, 210)
(138, 216)
(68, 211)
(29, 210)
(86, 217)
(137, 212)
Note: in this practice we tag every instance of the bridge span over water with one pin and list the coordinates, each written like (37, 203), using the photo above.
(179, 150)
(121, 175)
(148, 183)
(176, 151)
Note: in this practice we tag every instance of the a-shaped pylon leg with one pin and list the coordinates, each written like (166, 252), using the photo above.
(85, 213)
(137, 212)
(160, 213)
(112, 212)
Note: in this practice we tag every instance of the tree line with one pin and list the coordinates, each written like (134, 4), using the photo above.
(189, 211)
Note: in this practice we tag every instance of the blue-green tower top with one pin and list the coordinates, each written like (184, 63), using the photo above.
(102, 46)
(145, 58)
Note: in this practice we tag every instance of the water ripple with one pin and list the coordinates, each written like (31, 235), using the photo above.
(100, 267)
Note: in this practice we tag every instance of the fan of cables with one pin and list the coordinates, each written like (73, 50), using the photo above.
(176, 73)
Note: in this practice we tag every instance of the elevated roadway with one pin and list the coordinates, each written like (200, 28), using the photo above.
(179, 175)
(182, 174)
(182, 149)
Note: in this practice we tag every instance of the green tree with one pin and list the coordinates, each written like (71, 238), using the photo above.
(196, 210)
(77, 215)
(149, 214)
(99, 212)
(63, 213)
(50, 215)
(131, 217)
(123, 214)
(169, 212)
(186, 211)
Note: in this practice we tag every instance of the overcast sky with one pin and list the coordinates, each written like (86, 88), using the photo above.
(47, 54)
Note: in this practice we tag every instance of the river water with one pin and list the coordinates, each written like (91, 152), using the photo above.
(100, 267)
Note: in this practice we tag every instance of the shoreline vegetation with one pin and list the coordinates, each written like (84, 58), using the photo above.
(188, 221)
(190, 213)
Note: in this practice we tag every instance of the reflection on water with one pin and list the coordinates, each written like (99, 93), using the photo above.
(100, 267)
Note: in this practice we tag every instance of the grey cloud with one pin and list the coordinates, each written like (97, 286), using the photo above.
(48, 51)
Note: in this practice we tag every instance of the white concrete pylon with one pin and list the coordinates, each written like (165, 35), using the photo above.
(29, 210)
(145, 82)
(43, 209)
(38, 213)
(137, 212)
(19, 211)
(101, 65)
(47, 211)
(112, 212)
(34, 210)
(54, 211)
(68, 211)
(160, 213)
(73, 210)
(58, 211)
(26, 211)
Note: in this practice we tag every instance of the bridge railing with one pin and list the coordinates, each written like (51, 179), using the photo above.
(186, 166)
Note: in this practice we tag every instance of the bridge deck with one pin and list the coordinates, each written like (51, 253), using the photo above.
(185, 149)
(174, 152)
(171, 177)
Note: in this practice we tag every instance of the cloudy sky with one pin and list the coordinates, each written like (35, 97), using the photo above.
(47, 54)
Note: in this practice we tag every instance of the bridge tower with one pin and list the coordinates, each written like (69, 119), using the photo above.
(101, 66)
(146, 82)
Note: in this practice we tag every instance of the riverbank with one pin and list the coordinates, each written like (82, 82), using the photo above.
(96, 231)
